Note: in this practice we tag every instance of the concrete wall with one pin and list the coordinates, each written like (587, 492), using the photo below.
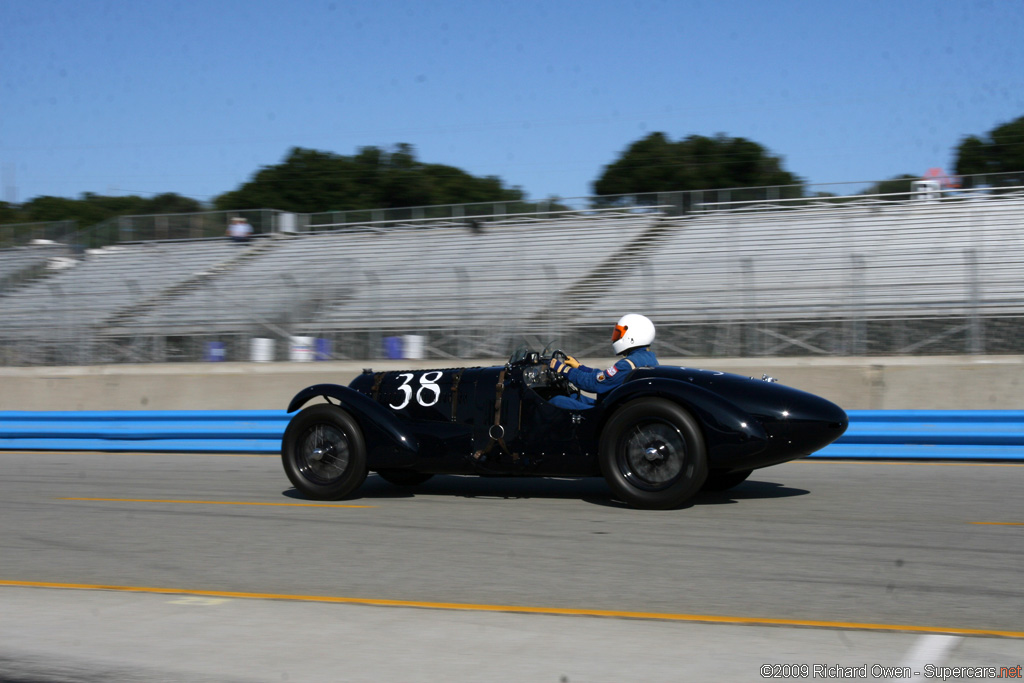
(941, 383)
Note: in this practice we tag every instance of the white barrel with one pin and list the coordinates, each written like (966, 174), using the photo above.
(261, 350)
(412, 346)
(301, 349)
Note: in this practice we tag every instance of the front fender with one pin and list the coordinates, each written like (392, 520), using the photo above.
(729, 431)
(389, 442)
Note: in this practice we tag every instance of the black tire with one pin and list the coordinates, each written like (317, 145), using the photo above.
(323, 452)
(652, 454)
(404, 477)
(723, 481)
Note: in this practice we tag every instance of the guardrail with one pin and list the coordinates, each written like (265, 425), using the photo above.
(931, 435)
(177, 431)
(883, 434)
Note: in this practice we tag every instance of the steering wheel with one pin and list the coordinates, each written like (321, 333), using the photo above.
(558, 379)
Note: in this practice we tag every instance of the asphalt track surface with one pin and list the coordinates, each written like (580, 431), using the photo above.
(125, 567)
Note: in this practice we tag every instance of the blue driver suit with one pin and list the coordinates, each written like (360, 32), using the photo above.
(603, 381)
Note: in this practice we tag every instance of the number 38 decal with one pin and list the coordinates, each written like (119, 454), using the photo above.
(427, 394)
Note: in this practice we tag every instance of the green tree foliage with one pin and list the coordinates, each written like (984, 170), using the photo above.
(9, 213)
(657, 164)
(898, 188)
(311, 181)
(90, 209)
(169, 202)
(1001, 151)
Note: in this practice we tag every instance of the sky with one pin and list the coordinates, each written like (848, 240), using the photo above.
(125, 97)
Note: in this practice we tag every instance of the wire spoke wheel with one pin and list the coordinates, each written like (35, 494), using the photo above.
(652, 454)
(323, 452)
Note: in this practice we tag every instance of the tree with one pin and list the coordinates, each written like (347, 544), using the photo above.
(311, 181)
(169, 203)
(10, 213)
(656, 164)
(90, 209)
(896, 189)
(999, 156)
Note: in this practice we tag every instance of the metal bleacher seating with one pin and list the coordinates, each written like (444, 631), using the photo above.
(866, 258)
(805, 261)
(416, 277)
(103, 281)
(19, 262)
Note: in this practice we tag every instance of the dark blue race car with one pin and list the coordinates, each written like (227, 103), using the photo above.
(658, 439)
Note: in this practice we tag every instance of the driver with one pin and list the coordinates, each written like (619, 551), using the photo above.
(633, 334)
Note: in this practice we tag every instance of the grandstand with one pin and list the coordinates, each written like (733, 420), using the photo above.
(421, 277)
(21, 263)
(67, 308)
(852, 275)
(830, 265)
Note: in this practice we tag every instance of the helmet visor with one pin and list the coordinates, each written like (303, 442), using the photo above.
(620, 330)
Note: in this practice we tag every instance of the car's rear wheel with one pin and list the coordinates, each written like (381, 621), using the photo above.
(723, 481)
(404, 477)
(652, 454)
(323, 452)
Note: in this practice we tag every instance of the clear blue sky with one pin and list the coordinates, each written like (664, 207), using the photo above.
(127, 97)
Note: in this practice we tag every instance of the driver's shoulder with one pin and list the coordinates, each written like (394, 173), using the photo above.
(639, 359)
(621, 365)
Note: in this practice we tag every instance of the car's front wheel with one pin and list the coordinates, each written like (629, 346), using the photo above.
(323, 452)
(652, 454)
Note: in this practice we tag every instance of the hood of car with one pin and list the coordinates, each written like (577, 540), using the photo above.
(787, 413)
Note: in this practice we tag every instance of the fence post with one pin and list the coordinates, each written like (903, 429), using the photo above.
(751, 345)
(975, 344)
(855, 340)
(463, 289)
(373, 333)
(551, 274)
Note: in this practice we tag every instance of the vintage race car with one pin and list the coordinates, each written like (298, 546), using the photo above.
(660, 437)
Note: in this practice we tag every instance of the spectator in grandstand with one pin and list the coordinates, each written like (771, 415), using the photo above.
(239, 230)
(631, 338)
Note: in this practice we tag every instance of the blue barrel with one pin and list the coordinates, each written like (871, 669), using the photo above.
(215, 351)
(322, 349)
(393, 348)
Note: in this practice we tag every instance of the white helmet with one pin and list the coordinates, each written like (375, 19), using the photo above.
(631, 331)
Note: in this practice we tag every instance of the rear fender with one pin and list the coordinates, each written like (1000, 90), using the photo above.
(389, 442)
(728, 431)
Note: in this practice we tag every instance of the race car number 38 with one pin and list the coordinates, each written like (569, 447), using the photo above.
(427, 394)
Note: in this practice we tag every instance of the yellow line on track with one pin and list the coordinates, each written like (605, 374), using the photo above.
(1000, 523)
(215, 502)
(520, 609)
